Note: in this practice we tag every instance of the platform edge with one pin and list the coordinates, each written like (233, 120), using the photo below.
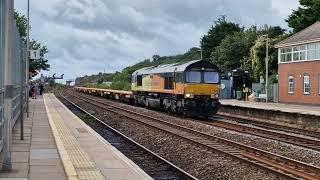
(66, 161)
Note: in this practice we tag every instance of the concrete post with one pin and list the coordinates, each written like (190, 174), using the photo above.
(23, 66)
(8, 84)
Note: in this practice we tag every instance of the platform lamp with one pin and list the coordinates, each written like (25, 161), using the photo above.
(27, 59)
(200, 50)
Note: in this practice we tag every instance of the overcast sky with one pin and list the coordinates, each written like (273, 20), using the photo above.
(91, 36)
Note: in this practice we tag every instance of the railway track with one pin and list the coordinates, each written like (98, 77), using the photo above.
(273, 163)
(306, 142)
(277, 127)
(154, 165)
(266, 130)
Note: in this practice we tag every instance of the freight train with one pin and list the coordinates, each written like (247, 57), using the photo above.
(190, 88)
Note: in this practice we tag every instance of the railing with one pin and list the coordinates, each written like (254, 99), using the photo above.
(17, 59)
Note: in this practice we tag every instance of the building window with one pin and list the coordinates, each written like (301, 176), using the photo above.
(312, 51)
(306, 84)
(290, 84)
(286, 55)
(318, 51)
(309, 51)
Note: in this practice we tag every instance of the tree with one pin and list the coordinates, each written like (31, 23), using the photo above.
(307, 14)
(21, 22)
(216, 34)
(35, 65)
(258, 56)
(155, 57)
(272, 31)
(233, 50)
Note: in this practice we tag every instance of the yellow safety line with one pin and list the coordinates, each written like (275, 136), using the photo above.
(84, 167)
(65, 158)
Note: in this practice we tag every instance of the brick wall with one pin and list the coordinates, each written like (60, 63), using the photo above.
(297, 70)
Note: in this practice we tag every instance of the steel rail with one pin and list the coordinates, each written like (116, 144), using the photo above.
(270, 134)
(131, 140)
(271, 162)
(278, 127)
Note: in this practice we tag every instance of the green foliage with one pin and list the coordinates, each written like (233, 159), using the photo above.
(272, 31)
(21, 21)
(258, 57)
(216, 34)
(53, 87)
(156, 57)
(93, 85)
(273, 79)
(52, 83)
(233, 50)
(122, 80)
(307, 14)
(100, 81)
(35, 65)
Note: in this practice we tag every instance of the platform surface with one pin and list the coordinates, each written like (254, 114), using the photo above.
(291, 108)
(36, 157)
(85, 154)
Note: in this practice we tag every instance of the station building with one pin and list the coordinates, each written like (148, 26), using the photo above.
(299, 67)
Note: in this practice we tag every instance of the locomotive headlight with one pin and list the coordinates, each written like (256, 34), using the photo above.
(214, 96)
(189, 95)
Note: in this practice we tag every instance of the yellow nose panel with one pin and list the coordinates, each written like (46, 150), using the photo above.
(202, 89)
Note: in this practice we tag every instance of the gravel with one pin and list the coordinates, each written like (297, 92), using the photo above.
(281, 148)
(198, 162)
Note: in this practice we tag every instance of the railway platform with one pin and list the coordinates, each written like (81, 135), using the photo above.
(290, 108)
(302, 116)
(58, 145)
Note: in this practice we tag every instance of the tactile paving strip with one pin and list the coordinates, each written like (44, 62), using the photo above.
(69, 148)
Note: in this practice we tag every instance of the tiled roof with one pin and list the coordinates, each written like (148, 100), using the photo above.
(311, 33)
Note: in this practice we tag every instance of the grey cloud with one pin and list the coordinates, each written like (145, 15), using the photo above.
(89, 36)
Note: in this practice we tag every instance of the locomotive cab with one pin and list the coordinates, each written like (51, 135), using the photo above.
(202, 89)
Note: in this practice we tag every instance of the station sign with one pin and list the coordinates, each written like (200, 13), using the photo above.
(35, 54)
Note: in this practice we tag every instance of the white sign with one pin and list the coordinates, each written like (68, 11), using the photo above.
(35, 54)
(261, 79)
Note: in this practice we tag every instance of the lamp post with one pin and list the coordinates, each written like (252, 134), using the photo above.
(267, 63)
(27, 59)
(200, 53)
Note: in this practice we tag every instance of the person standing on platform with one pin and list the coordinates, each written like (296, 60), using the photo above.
(33, 91)
(41, 89)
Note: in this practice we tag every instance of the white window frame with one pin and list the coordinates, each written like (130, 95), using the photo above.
(301, 52)
(306, 83)
(290, 85)
(319, 83)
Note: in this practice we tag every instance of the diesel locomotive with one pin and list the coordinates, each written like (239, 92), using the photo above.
(190, 88)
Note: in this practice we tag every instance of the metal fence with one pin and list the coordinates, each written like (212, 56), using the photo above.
(12, 65)
(259, 88)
